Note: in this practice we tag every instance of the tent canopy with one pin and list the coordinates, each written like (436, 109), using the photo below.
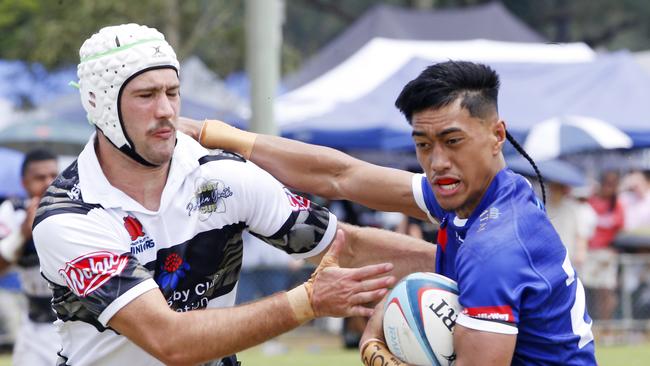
(382, 58)
(490, 21)
(612, 88)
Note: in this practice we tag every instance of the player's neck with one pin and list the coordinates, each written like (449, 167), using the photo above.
(465, 211)
(143, 184)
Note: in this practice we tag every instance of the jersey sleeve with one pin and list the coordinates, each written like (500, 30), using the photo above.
(87, 261)
(492, 279)
(282, 218)
(425, 199)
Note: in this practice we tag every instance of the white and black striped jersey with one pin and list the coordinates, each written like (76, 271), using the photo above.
(100, 249)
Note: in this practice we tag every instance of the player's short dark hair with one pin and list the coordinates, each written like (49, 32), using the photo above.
(34, 156)
(442, 83)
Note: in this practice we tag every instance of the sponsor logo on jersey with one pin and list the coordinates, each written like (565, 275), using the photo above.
(297, 203)
(209, 197)
(86, 273)
(500, 313)
(491, 213)
(172, 270)
(140, 241)
(74, 193)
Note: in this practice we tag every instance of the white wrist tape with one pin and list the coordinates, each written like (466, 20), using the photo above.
(11, 246)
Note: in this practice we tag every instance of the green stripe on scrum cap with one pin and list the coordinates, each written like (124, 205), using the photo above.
(121, 48)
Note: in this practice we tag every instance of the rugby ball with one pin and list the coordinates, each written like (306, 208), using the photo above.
(419, 319)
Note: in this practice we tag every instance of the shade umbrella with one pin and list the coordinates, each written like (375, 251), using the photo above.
(59, 136)
(563, 135)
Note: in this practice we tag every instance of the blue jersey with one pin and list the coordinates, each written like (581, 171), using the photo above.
(513, 272)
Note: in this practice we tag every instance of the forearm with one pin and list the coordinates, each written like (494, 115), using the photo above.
(370, 245)
(241, 327)
(11, 248)
(318, 170)
(202, 335)
(308, 168)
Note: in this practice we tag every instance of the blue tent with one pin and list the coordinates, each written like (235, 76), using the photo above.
(31, 82)
(612, 88)
(487, 21)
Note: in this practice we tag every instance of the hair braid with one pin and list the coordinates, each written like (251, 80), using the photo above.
(530, 160)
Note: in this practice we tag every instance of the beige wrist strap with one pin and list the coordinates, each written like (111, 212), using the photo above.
(374, 352)
(300, 304)
(219, 135)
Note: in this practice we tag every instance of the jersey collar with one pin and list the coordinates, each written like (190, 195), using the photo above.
(95, 188)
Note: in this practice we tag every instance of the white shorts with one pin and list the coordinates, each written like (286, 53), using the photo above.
(600, 269)
(36, 344)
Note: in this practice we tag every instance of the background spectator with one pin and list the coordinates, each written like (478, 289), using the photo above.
(600, 270)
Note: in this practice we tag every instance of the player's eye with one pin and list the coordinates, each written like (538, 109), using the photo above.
(454, 141)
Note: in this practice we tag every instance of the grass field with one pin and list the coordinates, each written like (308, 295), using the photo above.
(306, 348)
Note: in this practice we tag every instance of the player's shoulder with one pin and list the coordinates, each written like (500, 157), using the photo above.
(221, 156)
(232, 167)
(64, 196)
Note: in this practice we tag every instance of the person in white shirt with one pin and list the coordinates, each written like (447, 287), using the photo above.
(635, 198)
(146, 227)
(37, 341)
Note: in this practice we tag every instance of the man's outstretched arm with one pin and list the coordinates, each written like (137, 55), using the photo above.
(314, 169)
(367, 245)
(198, 336)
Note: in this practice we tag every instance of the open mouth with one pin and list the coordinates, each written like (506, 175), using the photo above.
(447, 184)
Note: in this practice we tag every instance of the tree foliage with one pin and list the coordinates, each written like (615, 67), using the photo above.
(51, 32)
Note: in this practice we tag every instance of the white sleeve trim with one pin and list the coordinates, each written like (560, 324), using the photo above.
(325, 242)
(485, 325)
(416, 187)
(418, 195)
(126, 298)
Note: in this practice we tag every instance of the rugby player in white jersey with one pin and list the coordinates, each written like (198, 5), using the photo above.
(37, 341)
(146, 227)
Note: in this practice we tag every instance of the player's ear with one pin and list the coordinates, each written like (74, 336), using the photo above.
(499, 131)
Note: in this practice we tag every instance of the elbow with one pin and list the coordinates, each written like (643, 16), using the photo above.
(173, 356)
(167, 348)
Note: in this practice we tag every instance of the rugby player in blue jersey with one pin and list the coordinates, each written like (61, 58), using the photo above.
(523, 303)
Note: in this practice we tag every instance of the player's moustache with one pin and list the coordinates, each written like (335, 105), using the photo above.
(160, 125)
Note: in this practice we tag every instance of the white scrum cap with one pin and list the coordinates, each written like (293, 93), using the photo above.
(108, 60)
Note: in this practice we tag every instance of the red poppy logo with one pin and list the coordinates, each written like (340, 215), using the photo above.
(173, 270)
(134, 227)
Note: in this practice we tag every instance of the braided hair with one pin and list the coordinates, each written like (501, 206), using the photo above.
(523, 153)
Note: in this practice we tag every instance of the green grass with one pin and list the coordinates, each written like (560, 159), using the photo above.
(309, 349)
